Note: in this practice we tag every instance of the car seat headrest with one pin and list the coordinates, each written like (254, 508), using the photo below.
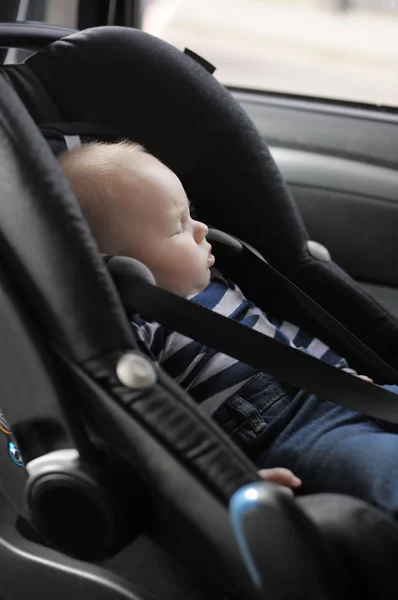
(144, 89)
(65, 136)
(124, 266)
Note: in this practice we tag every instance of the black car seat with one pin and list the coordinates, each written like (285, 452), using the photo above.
(142, 88)
(106, 461)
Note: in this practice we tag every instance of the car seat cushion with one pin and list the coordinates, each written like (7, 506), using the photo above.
(142, 88)
(181, 114)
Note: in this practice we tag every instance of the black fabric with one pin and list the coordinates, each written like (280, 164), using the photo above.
(361, 354)
(42, 237)
(65, 284)
(251, 270)
(364, 540)
(56, 266)
(373, 325)
(342, 297)
(35, 96)
(55, 133)
(172, 419)
(121, 79)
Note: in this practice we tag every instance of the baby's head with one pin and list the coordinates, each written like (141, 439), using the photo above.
(135, 206)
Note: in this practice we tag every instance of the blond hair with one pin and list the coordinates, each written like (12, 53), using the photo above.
(92, 170)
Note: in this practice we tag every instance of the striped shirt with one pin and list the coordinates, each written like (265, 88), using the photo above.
(209, 376)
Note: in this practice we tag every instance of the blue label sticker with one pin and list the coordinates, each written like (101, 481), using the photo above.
(15, 454)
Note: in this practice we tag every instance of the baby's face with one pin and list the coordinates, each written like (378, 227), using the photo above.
(156, 227)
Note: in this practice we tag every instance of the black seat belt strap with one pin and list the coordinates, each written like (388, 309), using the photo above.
(249, 346)
(385, 372)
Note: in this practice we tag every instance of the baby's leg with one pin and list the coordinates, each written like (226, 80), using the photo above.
(333, 450)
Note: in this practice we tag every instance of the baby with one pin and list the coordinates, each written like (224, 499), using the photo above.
(135, 206)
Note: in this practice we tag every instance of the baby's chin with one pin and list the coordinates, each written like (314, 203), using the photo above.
(206, 280)
(200, 287)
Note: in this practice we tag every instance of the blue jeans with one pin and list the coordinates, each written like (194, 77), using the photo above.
(331, 448)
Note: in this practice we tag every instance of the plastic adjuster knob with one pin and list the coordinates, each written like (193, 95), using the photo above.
(69, 508)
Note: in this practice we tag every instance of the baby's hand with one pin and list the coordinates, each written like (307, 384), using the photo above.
(281, 476)
(365, 378)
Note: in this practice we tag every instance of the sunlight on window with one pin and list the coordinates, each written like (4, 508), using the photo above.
(343, 49)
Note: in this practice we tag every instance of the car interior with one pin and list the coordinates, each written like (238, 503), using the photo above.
(112, 489)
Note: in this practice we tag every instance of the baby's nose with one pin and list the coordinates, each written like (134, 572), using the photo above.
(201, 231)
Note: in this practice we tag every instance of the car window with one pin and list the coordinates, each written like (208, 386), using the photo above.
(56, 12)
(339, 49)
(342, 49)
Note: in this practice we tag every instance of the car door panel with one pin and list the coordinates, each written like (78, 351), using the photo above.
(369, 135)
(350, 207)
(341, 165)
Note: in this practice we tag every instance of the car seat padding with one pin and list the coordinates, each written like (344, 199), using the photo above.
(51, 259)
(57, 269)
(146, 90)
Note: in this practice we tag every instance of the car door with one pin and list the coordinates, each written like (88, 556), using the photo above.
(340, 162)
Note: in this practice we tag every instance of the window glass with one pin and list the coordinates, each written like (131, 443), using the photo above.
(342, 49)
